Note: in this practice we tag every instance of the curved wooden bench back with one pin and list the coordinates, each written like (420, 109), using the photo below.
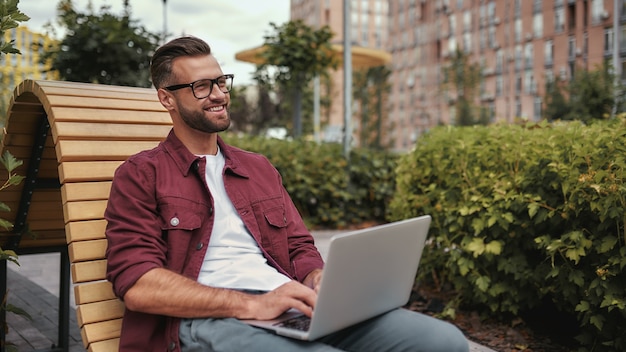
(89, 130)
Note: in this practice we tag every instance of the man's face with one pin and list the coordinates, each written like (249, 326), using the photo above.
(209, 114)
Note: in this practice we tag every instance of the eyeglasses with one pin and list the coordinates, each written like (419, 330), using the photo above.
(202, 88)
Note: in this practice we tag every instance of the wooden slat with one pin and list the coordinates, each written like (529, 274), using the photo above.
(111, 345)
(71, 192)
(102, 103)
(78, 171)
(89, 271)
(108, 131)
(101, 331)
(42, 243)
(99, 311)
(85, 210)
(87, 250)
(85, 230)
(93, 292)
(70, 150)
(88, 114)
(38, 226)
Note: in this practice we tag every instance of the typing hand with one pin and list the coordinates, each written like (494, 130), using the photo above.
(290, 295)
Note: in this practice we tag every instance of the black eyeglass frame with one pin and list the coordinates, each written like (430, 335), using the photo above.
(214, 81)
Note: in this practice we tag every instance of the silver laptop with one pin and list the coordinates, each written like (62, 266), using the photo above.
(367, 273)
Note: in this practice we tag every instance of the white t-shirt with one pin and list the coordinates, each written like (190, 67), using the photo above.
(233, 259)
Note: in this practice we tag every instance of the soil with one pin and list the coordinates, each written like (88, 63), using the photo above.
(541, 331)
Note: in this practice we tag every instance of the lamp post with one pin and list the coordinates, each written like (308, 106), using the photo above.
(164, 21)
(347, 80)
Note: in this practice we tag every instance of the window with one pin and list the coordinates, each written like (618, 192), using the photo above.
(467, 21)
(608, 40)
(518, 30)
(529, 82)
(528, 55)
(538, 25)
(499, 85)
(467, 42)
(549, 53)
(597, 10)
(559, 19)
(518, 57)
(537, 109)
(571, 47)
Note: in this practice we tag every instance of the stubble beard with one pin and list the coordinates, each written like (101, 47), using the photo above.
(197, 120)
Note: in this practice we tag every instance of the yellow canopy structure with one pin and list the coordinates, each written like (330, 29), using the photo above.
(361, 57)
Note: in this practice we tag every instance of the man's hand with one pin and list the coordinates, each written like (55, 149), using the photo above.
(313, 280)
(290, 295)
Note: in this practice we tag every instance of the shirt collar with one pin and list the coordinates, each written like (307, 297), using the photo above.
(186, 161)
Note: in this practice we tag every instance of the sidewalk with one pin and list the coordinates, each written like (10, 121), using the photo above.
(34, 287)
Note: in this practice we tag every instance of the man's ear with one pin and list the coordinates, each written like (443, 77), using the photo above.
(166, 99)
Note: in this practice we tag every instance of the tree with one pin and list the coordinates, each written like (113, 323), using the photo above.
(557, 107)
(102, 48)
(371, 90)
(588, 96)
(298, 53)
(463, 78)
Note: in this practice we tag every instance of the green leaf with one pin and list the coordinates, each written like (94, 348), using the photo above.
(483, 283)
(607, 243)
(476, 246)
(4, 207)
(597, 320)
(494, 247)
(583, 306)
(9, 161)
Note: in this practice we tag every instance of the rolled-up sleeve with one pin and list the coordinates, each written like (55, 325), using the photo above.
(135, 244)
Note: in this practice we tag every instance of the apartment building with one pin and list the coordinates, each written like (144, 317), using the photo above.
(368, 28)
(16, 68)
(520, 44)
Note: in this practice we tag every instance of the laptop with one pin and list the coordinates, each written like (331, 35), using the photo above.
(368, 272)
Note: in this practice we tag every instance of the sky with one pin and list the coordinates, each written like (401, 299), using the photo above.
(227, 26)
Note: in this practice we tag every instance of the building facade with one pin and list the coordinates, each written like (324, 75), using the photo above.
(16, 68)
(519, 44)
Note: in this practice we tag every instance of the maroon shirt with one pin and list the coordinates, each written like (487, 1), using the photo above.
(160, 215)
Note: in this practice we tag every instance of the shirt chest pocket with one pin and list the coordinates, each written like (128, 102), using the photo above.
(181, 228)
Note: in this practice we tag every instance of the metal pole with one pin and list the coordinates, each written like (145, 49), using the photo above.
(347, 80)
(617, 65)
(316, 86)
(3, 292)
(316, 108)
(164, 21)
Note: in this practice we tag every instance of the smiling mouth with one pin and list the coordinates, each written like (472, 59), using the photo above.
(216, 108)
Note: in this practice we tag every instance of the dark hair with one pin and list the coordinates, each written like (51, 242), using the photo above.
(161, 64)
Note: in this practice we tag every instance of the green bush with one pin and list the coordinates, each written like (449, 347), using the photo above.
(329, 191)
(525, 214)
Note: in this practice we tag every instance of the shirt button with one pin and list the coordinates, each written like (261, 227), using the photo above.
(210, 211)
(172, 346)
(199, 246)
(174, 221)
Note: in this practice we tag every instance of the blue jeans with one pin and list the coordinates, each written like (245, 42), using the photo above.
(398, 330)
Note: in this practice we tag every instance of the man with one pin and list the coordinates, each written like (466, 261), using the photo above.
(202, 234)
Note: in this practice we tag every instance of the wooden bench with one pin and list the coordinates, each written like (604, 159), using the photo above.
(71, 138)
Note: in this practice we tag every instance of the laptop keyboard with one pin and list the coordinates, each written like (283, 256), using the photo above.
(301, 322)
